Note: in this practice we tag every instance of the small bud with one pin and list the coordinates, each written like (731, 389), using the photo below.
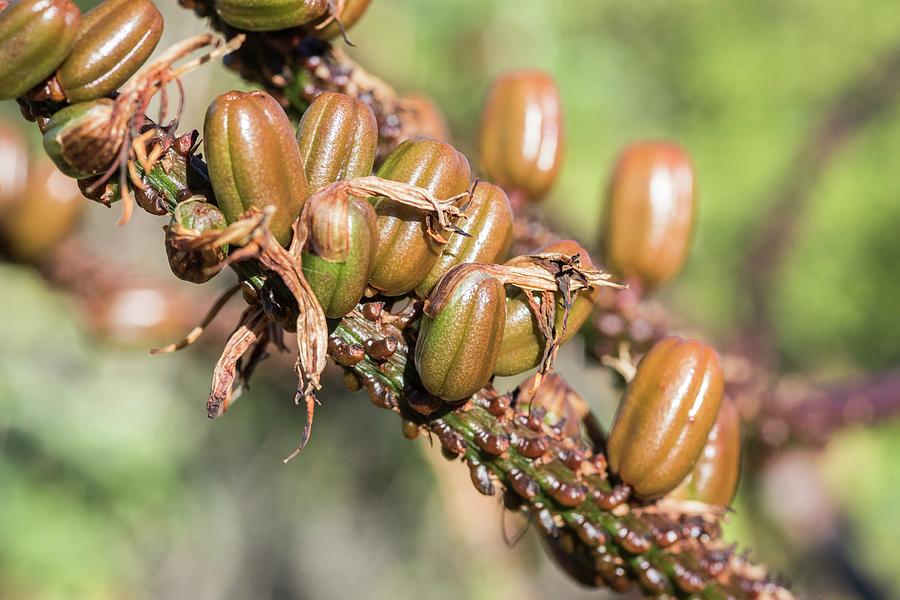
(35, 38)
(460, 335)
(80, 139)
(522, 133)
(649, 213)
(269, 15)
(406, 253)
(191, 218)
(114, 40)
(666, 415)
(338, 136)
(351, 12)
(254, 160)
(488, 224)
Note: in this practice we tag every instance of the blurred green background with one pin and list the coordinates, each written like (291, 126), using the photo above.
(113, 484)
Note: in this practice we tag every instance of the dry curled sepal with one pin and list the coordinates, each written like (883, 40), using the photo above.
(227, 383)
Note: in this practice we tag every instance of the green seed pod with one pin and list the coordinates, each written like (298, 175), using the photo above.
(489, 222)
(254, 160)
(351, 12)
(406, 253)
(195, 215)
(666, 415)
(649, 213)
(715, 477)
(80, 141)
(461, 331)
(269, 15)
(343, 238)
(114, 40)
(523, 342)
(35, 38)
(338, 136)
(522, 133)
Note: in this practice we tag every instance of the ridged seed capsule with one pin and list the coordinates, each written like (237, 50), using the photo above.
(80, 139)
(406, 252)
(649, 214)
(254, 160)
(666, 415)
(489, 223)
(522, 133)
(35, 38)
(460, 333)
(269, 15)
(114, 40)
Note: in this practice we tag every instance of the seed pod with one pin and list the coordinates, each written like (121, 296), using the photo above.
(338, 136)
(47, 211)
(522, 133)
(422, 117)
(343, 238)
(193, 217)
(269, 15)
(114, 40)
(80, 139)
(666, 415)
(406, 253)
(254, 160)
(13, 166)
(649, 212)
(523, 342)
(714, 478)
(488, 222)
(351, 12)
(35, 38)
(460, 335)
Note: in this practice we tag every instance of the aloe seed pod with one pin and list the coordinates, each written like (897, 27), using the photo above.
(195, 215)
(13, 166)
(46, 212)
(269, 15)
(665, 418)
(406, 253)
(254, 160)
(35, 38)
(523, 342)
(79, 139)
(489, 222)
(461, 331)
(114, 40)
(422, 117)
(522, 133)
(351, 12)
(338, 136)
(649, 213)
(343, 238)
(715, 477)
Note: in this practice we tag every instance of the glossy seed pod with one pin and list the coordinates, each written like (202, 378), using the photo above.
(714, 478)
(461, 331)
(196, 266)
(13, 166)
(340, 251)
(351, 12)
(406, 253)
(523, 342)
(254, 160)
(269, 15)
(522, 133)
(337, 136)
(78, 139)
(666, 415)
(649, 213)
(489, 223)
(114, 40)
(35, 38)
(420, 116)
(47, 211)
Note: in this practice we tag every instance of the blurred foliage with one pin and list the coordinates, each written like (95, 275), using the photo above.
(113, 484)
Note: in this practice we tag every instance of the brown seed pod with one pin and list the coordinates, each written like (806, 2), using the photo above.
(666, 415)
(190, 219)
(269, 15)
(421, 118)
(114, 40)
(80, 138)
(522, 133)
(13, 166)
(649, 214)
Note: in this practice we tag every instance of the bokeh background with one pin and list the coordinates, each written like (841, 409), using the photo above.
(113, 484)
